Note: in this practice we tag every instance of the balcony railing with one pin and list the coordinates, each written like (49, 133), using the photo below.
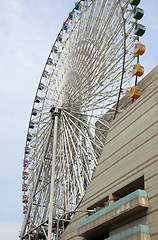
(117, 211)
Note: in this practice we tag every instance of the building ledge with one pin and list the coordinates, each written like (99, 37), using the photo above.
(117, 211)
(140, 232)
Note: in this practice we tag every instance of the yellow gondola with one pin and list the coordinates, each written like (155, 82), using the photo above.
(138, 70)
(139, 48)
(135, 92)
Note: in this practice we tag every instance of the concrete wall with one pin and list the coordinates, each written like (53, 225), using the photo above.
(130, 152)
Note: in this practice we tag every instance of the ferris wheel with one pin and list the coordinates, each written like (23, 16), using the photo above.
(87, 71)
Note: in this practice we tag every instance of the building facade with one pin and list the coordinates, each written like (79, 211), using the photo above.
(121, 202)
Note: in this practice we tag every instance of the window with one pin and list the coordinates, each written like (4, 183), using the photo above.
(131, 187)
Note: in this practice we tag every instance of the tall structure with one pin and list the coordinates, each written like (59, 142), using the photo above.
(82, 89)
(121, 202)
(87, 72)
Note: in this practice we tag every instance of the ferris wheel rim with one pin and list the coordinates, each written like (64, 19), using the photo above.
(49, 57)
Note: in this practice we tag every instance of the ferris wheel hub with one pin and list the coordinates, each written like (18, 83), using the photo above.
(55, 111)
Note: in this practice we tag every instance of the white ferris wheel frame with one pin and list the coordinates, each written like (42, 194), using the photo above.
(83, 79)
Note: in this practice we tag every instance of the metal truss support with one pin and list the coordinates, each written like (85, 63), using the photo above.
(50, 219)
(35, 186)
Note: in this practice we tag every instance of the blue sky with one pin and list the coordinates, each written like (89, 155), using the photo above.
(27, 32)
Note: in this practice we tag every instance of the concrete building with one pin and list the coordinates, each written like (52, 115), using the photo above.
(121, 202)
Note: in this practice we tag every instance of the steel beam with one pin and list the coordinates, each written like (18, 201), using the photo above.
(50, 219)
(35, 186)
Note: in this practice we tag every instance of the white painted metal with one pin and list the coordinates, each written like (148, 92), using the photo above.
(36, 184)
(50, 220)
(82, 80)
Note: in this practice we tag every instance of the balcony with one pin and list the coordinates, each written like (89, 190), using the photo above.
(118, 211)
(140, 232)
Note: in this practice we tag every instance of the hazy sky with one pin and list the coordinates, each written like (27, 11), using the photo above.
(27, 32)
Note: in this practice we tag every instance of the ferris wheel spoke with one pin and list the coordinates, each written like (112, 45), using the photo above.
(59, 185)
(94, 78)
(87, 26)
(82, 134)
(91, 94)
(98, 62)
(97, 118)
(81, 80)
(47, 204)
(37, 209)
(36, 137)
(84, 124)
(78, 181)
(75, 135)
(38, 215)
(40, 145)
(70, 174)
(63, 176)
(42, 188)
(88, 122)
(95, 35)
(37, 162)
(79, 162)
(66, 180)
